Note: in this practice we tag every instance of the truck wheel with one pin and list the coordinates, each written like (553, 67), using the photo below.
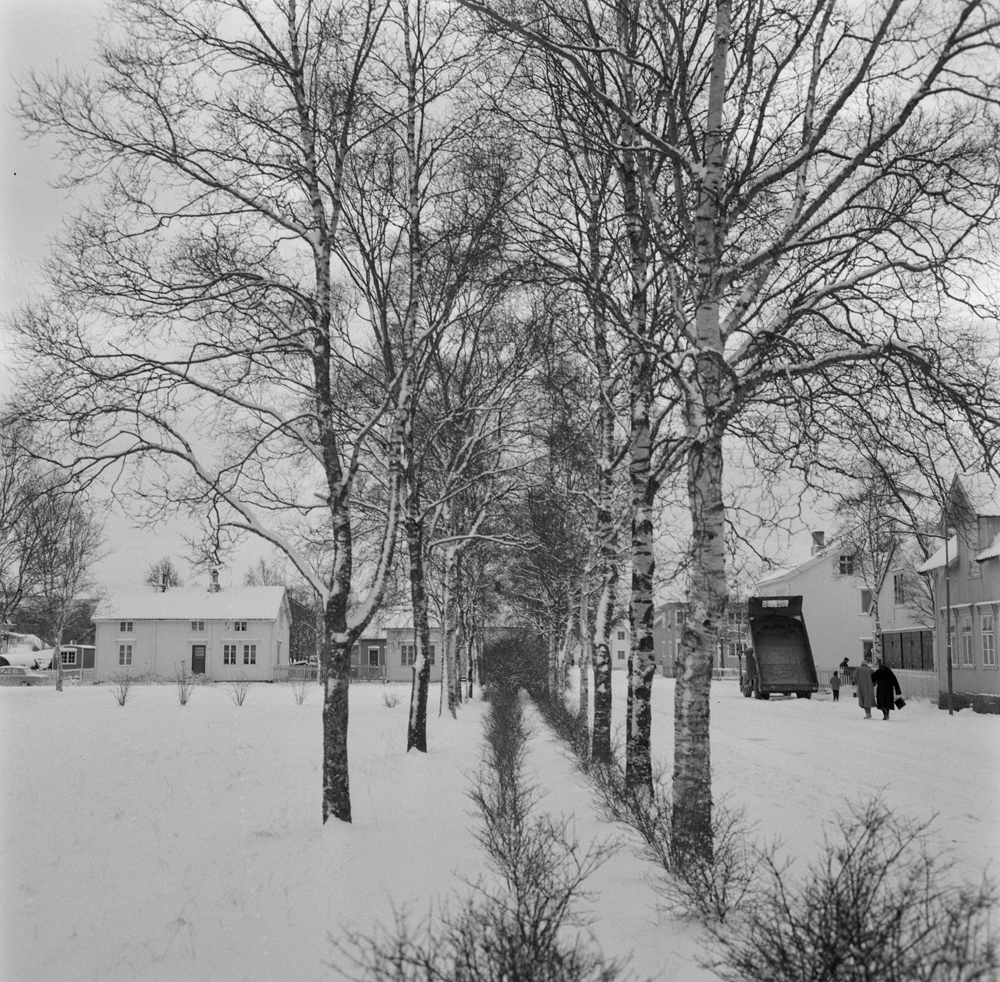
(765, 695)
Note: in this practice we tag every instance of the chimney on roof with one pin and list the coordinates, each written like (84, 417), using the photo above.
(214, 587)
(163, 581)
(819, 543)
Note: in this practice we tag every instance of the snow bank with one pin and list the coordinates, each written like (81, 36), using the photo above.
(156, 842)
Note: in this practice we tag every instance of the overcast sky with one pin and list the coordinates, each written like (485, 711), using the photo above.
(40, 35)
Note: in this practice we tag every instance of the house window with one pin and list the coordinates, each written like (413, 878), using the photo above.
(249, 654)
(408, 654)
(68, 657)
(866, 601)
(373, 657)
(430, 656)
(198, 627)
(898, 589)
(124, 654)
(679, 618)
(677, 650)
(621, 654)
(953, 645)
(621, 635)
(125, 627)
(988, 635)
(846, 565)
(229, 654)
(968, 659)
(240, 626)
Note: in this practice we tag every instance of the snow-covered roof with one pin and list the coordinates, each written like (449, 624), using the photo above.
(192, 603)
(937, 560)
(983, 492)
(990, 552)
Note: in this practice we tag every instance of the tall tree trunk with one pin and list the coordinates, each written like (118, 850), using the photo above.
(337, 644)
(416, 731)
(692, 777)
(638, 762)
(600, 750)
(449, 673)
(586, 647)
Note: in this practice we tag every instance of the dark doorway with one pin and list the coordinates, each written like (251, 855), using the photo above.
(198, 659)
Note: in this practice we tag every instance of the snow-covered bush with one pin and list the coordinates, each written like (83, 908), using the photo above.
(519, 927)
(712, 888)
(238, 689)
(299, 689)
(879, 904)
(185, 684)
(390, 699)
(121, 685)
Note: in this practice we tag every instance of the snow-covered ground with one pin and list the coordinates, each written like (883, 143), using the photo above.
(180, 844)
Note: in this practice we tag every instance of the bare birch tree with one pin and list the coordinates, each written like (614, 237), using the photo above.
(197, 328)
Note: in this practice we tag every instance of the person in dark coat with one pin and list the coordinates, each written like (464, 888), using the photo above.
(835, 686)
(886, 688)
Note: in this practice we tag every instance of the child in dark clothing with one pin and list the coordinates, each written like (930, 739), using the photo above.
(835, 686)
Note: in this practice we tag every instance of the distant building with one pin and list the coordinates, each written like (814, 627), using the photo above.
(668, 629)
(222, 634)
(971, 576)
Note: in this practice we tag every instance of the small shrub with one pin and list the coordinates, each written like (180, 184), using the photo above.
(707, 887)
(390, 699)
(299, 689)
(185, 684)
(238, 689)
(121, 685)
(878, 905)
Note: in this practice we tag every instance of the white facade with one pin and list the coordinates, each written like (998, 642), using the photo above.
(229, 634)
(836, 605)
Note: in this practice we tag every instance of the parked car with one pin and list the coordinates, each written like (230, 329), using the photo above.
(19, 675)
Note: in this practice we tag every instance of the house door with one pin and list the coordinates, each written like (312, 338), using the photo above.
(198, 659)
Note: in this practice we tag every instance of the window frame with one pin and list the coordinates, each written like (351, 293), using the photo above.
(845, 564)
(125, 653)
(250, 653)
(990, 652)
(126, 627)
(68, 657)
(899, 589)
(968, 648)
(240, 627)
(197, 627)
(229, 653)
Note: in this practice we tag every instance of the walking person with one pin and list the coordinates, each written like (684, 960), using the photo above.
(886, 688)
(835, 686)
(865, 686)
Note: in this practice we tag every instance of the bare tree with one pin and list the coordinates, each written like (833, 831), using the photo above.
(264, 573)
(196, 326)
(869, 541)
(70, 541)
(20, 487)
(163, 572)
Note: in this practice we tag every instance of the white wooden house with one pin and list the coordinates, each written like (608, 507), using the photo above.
(221, 633)
(837, 608)
(967, 594)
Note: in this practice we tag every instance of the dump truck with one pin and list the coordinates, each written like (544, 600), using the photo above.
(779, 660)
